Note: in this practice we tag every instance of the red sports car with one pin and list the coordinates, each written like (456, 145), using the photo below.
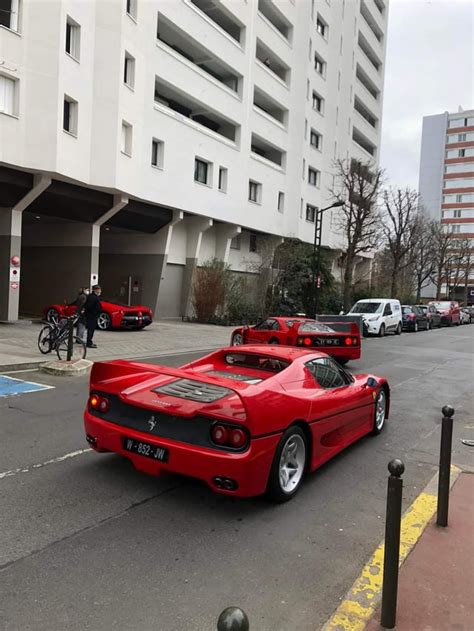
(112, 316)
(246, 421)
(338, 339)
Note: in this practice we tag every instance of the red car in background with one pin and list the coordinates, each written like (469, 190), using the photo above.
(341, 340)
(449, 311)
(245, 420)
(112, 316)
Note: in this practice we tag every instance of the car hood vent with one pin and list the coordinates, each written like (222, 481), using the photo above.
(194, 390)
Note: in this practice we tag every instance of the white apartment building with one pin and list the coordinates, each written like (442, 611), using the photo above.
(139, 138)
(446, 183)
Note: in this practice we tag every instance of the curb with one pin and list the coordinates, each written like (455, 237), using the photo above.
(363, 598)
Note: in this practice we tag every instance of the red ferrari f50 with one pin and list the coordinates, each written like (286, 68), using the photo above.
(246, 421)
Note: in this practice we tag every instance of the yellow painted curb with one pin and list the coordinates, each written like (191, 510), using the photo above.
(361, 601)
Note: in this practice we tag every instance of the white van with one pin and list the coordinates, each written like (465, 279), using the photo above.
(380, 315)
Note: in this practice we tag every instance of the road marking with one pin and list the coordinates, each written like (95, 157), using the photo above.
(11, 386)
(363, 598)
(73, 454)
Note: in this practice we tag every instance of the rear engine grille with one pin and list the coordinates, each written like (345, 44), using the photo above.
(194, 390)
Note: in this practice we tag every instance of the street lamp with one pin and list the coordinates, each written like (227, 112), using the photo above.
(316, 278)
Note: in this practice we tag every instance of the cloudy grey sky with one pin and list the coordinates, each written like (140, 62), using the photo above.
(429, 69)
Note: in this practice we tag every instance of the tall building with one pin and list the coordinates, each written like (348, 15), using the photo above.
(446, 183)
(141, 138)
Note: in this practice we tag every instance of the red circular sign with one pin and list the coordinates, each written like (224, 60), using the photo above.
(14, 285)
(15, 260)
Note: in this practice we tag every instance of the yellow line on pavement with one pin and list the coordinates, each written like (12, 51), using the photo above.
(361, 601)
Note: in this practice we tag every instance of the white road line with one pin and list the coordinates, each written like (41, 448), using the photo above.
(73, 454)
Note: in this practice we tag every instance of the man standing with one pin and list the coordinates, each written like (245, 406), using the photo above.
(80, 304)
(92, 308)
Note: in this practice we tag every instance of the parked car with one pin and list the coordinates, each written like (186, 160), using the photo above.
(414, 319)
(448, 310)
(465, 316)
(470, 310)
(341, 340)
(246, 421)
(380, 315)
(113, 315)
(434, 319)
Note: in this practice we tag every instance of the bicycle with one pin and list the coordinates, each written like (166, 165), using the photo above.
(55, 337)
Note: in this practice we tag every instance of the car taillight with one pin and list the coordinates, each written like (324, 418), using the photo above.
(101, 404)
(226, 436)
(348, 341)
(307, 341)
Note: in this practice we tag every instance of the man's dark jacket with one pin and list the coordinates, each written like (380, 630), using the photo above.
(92, 308)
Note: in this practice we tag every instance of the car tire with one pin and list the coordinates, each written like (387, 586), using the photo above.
(415, 327)
(380, 411)
(103, 321)
(399, 329)
(382, 330)
(52, 315)
(273, 341)
(284, 481)
(236, 339)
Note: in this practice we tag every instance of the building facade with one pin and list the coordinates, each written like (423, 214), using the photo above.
(446, 186)
(141, 138)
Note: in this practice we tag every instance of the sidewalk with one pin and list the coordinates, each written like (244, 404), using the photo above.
(19, 349)
(436, 582)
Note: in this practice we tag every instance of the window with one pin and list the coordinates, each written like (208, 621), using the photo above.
(73, 38)
(321, 26)
(8, 100)
(70, 115)
(318, 102)
(313, 177)
(455, 227)
(253, 242)
(255, 192)
(462, 137)
(310, 213)
(157, 151)
(126, 140)
(201, 171)
(326, 373)
(462, 153)
(319, 65)
(315, 139)
(459, 199)
(10, 14)
(223, 179)
(281, 202)
(457, 213)
(129, 70)
(235, 243)
(132, 8)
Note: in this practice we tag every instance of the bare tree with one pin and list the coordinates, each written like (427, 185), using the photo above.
(399, 216)
(443, 244)
(424, 263)
(458, 264)
(358, 186)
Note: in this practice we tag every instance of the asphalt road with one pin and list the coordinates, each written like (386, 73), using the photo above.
(86, 542)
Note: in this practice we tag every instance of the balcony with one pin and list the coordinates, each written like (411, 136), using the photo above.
(273, 63)
(369, 52)
(365, 112)
(276, 18)
(181, 42)
(223, 18)
(170, 97)
(274, 110)
(362, 141)
(368, 84)
(266, 150)
(371, 22)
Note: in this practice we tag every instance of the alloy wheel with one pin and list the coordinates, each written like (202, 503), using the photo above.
(380, 408)
(237, 339)
(292, 462)
(103, 321)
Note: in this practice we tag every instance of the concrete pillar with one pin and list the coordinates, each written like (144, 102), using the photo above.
(10, 247)
(195, 226)
(224, 235)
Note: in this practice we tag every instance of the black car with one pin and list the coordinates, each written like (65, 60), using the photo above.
(434, 318)
(413, 319)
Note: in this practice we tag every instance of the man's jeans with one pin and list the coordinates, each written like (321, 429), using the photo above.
(81, 329)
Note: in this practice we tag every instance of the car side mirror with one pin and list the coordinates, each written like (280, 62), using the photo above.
(371, 382)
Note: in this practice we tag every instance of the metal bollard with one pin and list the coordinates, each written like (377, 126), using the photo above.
(392, 543)
(70, 340)
(233, 619)
(445, 466)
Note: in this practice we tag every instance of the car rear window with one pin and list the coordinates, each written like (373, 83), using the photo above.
(258, 362)
(407, 310)
(315, 327)
(366, 307)
(442, 305)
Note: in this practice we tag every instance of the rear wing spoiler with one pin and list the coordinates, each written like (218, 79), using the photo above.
(351, 324)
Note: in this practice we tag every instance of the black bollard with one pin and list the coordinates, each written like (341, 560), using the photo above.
(70, 340)
(392, 544)
(233, 619)
(445, 466)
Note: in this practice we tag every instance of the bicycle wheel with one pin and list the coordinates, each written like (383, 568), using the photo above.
(79, 349)
(45, 339)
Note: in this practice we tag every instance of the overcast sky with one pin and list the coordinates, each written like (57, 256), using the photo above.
(429, 69)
